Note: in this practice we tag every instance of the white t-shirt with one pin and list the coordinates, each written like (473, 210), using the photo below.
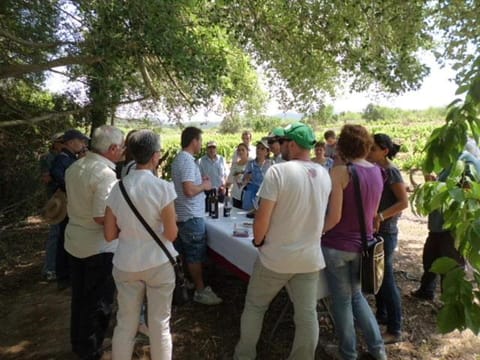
(88, 182)
(137, 250)
(300, 190)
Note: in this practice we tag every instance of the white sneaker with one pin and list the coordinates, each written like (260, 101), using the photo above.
(206, 297)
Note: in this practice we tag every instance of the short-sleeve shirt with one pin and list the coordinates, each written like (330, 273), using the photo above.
(184, 168)
(137, 250)
(88, 182)
(330, 150)
(300, 190)
(393, 175)
(215, 169)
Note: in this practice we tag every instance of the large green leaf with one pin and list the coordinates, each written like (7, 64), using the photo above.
(443, 265)
(451, 317)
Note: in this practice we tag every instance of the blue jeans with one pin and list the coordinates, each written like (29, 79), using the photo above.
(51, 249)
(389, 303)
(192, 240)
(349, 305)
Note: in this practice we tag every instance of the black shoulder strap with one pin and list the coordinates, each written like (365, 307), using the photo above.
(145, 224)
(358, 198)
(129, 167)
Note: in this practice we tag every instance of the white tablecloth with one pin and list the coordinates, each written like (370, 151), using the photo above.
(239, 251)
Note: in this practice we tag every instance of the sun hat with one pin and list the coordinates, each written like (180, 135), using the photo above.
(264, 143)
(55, 209)
(302, 134)
(74, 134)
(58, 137)
(211, 144)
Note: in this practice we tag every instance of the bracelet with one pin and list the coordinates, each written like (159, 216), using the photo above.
(258, 245)
(380, 215)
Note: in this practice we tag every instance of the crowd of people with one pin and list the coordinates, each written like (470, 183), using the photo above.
(305, 220)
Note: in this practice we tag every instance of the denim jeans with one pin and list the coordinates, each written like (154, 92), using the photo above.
(192, 240)
(264, 285)
(389, 303)
(349, 306)
(51, 249)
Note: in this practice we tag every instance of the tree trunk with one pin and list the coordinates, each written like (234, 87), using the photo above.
(98, 97)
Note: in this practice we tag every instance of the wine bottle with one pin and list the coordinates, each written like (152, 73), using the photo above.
(212, 202)
(227, 204)
(207, 201)
(215, 205)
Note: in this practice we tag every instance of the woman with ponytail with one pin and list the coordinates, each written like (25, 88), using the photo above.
(394, 199)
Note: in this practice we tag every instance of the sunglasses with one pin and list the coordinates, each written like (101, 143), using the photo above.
(281, 141)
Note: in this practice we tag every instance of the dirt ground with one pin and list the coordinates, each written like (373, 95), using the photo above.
(34, 315)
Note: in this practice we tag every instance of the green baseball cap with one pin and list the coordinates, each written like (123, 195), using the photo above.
(278, 131)
(302, 134)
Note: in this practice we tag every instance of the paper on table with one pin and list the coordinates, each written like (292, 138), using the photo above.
(241, 230)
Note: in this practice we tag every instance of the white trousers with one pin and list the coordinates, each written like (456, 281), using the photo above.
(159, 283)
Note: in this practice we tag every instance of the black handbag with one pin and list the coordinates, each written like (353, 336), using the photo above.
(180, 293)
(372, 264)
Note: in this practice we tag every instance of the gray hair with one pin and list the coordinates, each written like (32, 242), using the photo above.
(143, 144)
(105, 136)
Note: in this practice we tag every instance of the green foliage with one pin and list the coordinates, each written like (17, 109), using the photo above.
(324, 115)
(184, 54)
(264, 123)
(231, 124)
(373, 113)
(459, 200)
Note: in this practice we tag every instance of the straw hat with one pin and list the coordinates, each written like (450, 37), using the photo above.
(55, 209)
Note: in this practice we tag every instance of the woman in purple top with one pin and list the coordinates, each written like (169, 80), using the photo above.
(342, 244)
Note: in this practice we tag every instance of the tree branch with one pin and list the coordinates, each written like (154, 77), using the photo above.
(17, 70)
(33, 44)
(43, 117)
(68, 76)
(174, 83)
(147, 79)
(52, 116)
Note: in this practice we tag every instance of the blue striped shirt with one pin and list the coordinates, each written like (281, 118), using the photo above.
(184, 168)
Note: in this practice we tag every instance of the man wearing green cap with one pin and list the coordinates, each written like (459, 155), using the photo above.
(289, 244)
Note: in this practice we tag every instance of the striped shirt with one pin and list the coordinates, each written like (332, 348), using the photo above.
(184, 168)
